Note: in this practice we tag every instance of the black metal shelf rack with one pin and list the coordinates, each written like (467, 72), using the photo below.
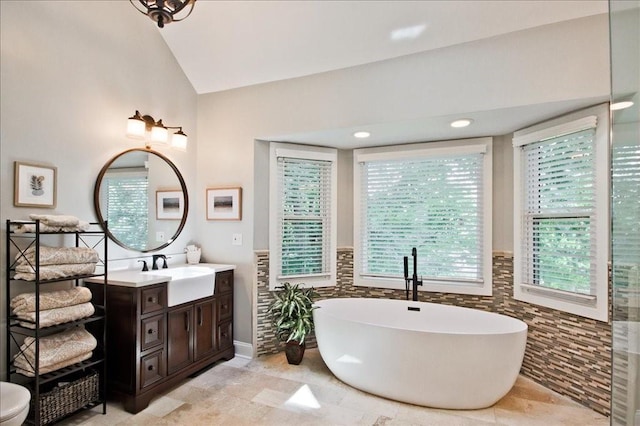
(41, 384)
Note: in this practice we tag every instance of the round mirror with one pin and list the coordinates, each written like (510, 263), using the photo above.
(141, 200)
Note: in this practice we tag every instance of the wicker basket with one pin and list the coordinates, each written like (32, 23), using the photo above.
(68, 398)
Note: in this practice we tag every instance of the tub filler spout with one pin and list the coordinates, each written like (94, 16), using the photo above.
(412, 282)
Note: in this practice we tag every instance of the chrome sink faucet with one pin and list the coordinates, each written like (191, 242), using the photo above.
(414, 282)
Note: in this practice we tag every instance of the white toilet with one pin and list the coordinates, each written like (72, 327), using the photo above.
(14, 404)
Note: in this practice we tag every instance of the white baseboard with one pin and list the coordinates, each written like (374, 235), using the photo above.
(243, 350)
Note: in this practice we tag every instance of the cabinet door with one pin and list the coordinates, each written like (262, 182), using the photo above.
(204, 337)
(179, 338)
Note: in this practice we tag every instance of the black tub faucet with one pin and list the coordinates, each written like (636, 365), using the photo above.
(155, 259)
(414, 281)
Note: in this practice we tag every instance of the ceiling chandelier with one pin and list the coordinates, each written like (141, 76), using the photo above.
(164, 11)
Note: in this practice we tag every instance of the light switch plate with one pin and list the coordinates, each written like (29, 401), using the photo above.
(236, 240)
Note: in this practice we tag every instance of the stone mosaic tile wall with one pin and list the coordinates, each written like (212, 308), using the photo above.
(566, 353)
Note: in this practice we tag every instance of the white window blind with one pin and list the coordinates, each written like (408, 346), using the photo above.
(432, 203)
(559, 214)
(304, 217)
(127, 208)
(626, 209)
(561, 223)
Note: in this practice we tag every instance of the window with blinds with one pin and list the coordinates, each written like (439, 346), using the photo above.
(127, 207)
(561, 226)
(559, 212)
(626, 208)
(431, 199)
(303, 217)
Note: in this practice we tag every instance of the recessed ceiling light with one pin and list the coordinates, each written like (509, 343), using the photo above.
(407, 33)
(621, 105)
(361, 135)
(463, 122)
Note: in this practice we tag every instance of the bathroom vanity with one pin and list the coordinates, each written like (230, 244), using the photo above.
(155, 344)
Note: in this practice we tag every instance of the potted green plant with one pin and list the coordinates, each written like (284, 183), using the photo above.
(292, 316)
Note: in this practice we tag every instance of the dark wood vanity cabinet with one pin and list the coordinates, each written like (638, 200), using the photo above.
(153, 347)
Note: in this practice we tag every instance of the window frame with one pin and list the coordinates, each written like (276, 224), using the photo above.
(596, 305)
(427, 150)
(275, 247)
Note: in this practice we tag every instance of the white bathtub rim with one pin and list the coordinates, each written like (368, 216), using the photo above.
(521, 325)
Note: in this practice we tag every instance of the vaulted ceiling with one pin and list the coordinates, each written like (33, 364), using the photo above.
(229, 44)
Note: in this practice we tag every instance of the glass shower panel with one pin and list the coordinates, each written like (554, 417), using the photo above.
(625, 211)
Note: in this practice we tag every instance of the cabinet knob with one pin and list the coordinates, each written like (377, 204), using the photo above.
(151, 300)
(150, 331)
(150, 368)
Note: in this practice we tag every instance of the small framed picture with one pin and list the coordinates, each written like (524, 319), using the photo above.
(224, 204)
(34, 185)
(169, 204)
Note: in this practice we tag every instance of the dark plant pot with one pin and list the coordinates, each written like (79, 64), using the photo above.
(294, 352)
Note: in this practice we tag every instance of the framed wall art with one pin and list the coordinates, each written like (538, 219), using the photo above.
(34, 185)
(169, 204)
(224, 203)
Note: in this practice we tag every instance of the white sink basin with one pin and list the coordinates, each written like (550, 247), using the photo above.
(187, 283)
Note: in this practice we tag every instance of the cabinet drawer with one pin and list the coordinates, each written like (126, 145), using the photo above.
(153, 299)
(225, 307)
(225, 335)
(152, 369)
(224, 282)
(151, 332)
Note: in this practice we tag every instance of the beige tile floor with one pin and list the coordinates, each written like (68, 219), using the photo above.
(268, 391)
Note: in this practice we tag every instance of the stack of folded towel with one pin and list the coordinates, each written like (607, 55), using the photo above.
(52, 223)
(56, 351)
(56, 262)
(56, 307)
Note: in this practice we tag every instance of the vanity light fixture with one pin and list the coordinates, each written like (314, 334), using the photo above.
(164, 11)
(139, 126)
(463, 122)
(361, 135)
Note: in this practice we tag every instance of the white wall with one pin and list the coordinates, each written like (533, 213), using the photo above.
(556, 62)
(71, 73)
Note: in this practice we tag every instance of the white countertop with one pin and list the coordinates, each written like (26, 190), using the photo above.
(136, 278)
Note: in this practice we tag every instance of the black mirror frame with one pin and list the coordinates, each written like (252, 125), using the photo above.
(96, 199)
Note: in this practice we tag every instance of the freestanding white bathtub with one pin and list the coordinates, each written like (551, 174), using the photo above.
(421, 353)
